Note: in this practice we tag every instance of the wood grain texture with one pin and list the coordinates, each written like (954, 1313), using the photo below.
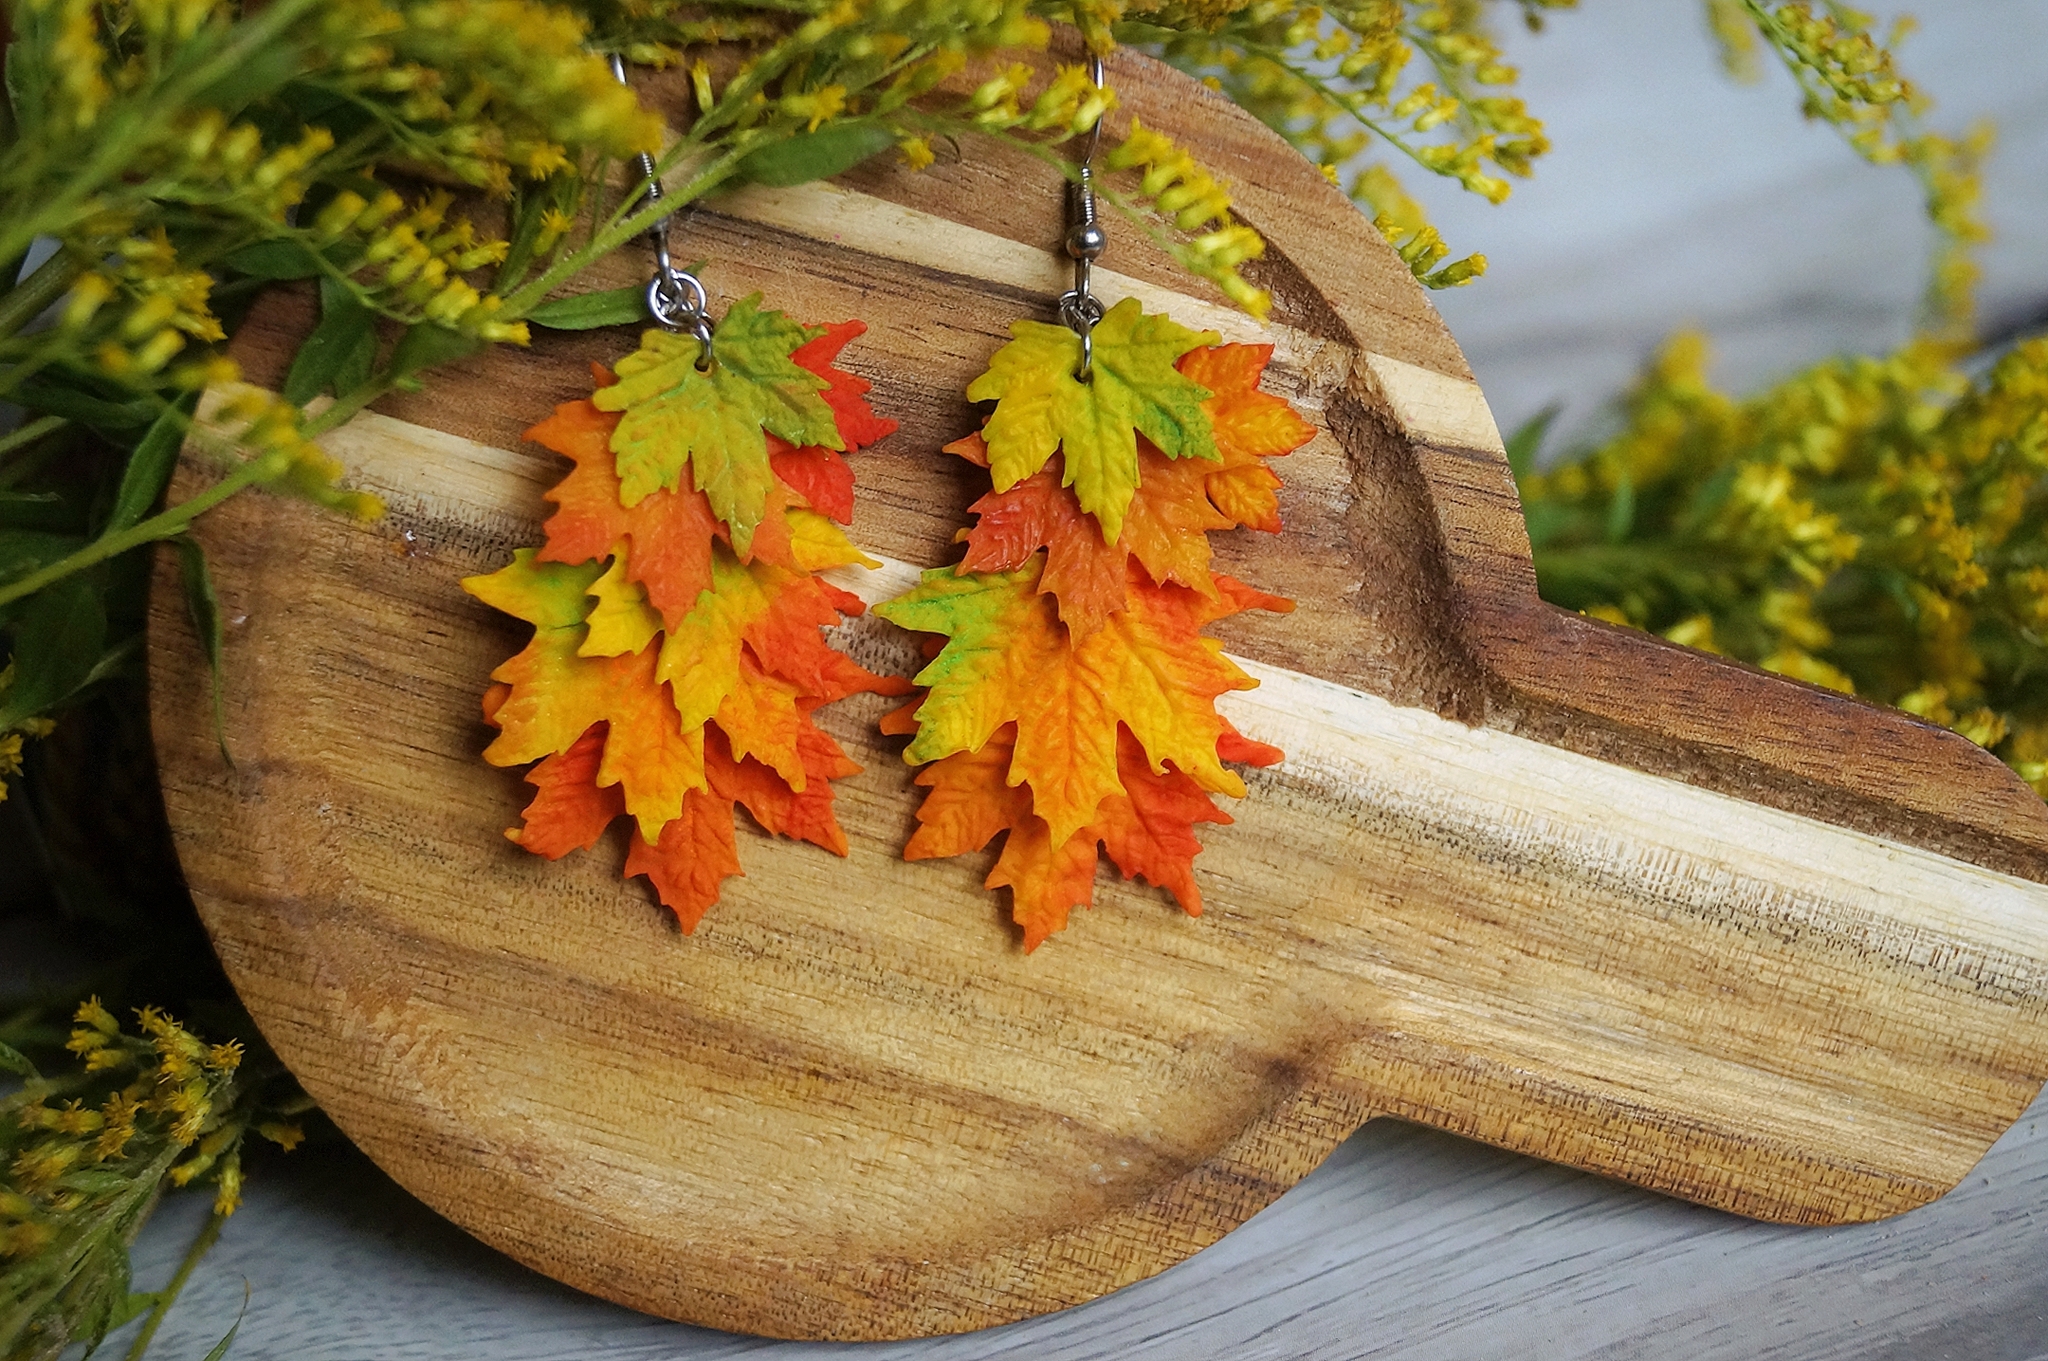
(1563, 888)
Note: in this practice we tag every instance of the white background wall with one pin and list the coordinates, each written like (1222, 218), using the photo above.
(1674, 196)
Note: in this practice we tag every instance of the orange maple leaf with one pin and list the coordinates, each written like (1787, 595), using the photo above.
(571, 810)
(667, 535)
(805, 814)
(845, 393)
(1148, 831)
(691, 859)
(692, 855)
(1250, 426)
(819, 474)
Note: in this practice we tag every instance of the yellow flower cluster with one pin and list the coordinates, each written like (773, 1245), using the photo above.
(512, 85)
(1180, 190)
(1847, 77)
(418, 260)
(15, 734)
(162, 1104)
(1874, 524)
(1336, 80)
(160, 306)
(269, 429)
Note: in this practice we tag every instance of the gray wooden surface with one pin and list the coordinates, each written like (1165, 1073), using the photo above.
(1672, 198)
(1406, 1243)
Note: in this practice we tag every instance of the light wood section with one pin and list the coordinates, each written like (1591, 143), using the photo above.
(1557, 886)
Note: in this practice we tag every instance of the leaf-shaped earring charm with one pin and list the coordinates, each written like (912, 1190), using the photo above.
(1072, 702)
(677, 657)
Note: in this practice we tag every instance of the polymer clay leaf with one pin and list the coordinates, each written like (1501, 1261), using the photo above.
(621, 620)
(700, 656)
(1047, 878)
(678, 651)
(759, 717)
(819, 475)
(1070, 707)
(690, 860)
(816, 472)
(971, 801)
(805, 814)
(674, 415)
(1008, 659)
(1250, 426)
(1147, 831)
(846, 393)
(1133, 389)
(1176, 504)
(667, 535)
(556, 694)
(570, 810)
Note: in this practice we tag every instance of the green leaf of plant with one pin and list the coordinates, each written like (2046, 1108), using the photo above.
(816, 155)
(44, 510)
(27, 550)
(587, 311)
(56, 398)
(204, 604)
(149, 467)
(1621, 511)
(12, 1060)
(220, 1348)
(425, 345)
(59, 640)
(675, 415)
(1133, 389)
(274, 260)
(133, 1306)
(339, 352)
(1527, 441)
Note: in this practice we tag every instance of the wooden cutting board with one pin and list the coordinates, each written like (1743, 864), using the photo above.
(1524, 876)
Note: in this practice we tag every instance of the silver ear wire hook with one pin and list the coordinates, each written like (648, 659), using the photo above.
(1080, 309)
(675, 297)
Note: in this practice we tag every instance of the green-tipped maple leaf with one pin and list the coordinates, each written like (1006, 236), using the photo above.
(675, 416)
(1134, 388)
(556, 693)
(1008, 659)
(1177, 503)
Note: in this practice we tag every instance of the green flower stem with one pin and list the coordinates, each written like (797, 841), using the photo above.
(622, 230)
(27, 299)
(58, 1262)
(202, 1243)
(169, 524)
(344, 408)
(116, 145)
(29, 434)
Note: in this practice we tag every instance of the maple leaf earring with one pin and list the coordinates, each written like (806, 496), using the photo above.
(677, 656)
(1072, 703)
